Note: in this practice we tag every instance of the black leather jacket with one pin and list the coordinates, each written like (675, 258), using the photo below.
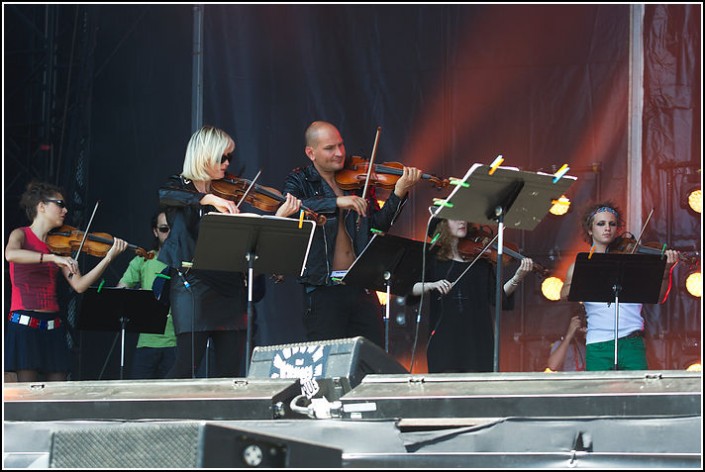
(308, 185)
(180, 201)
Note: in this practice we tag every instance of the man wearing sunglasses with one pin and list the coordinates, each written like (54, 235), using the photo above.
(156, 353)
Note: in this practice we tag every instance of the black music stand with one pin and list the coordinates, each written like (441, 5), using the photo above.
(508, 196)
(121, 310)
(618, 278)
(245, 241)
(388, 264)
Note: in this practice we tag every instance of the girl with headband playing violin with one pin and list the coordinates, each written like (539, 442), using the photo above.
(35, 335)
(460, 325)
(600, 223)
(205, 303)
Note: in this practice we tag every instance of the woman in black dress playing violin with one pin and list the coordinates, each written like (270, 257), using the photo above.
(35, 335)
(460, 325)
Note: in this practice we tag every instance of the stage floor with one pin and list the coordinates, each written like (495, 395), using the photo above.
(642, 419)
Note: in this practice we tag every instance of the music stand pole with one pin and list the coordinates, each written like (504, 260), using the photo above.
(387, 282)
(123, 324)
(616, 287)
(498, 291)
(250, 308)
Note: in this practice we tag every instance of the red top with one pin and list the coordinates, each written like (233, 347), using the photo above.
(34, 285)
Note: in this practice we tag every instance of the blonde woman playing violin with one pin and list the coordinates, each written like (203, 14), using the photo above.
(600, 223)
(205, 304)
(35, 335)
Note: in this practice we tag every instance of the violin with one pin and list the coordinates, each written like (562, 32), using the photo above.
(384, 175)
(264, 198)
(626, 243)
(470, 246)
(67, 239)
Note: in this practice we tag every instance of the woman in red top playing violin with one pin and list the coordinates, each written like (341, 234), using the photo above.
(460, 325)
(35, 336)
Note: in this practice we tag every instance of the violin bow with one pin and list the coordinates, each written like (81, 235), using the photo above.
(85, 233)
(371, 163)
(252, 184)
(648, 218)
(484, 249)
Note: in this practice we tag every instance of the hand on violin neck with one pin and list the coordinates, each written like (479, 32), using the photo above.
(117, 248)
(410, 177)
(525, 267)
(352, 202)
(290, 206)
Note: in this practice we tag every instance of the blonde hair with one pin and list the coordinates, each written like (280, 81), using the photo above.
(205, 149)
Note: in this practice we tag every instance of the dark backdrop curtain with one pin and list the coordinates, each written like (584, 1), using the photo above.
(450, 85)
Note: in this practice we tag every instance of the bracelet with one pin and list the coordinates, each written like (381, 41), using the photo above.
(514, 282)
(41, 257)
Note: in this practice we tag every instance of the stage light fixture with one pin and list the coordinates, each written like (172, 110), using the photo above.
(694, 283)
(551, 288)
(695, 200)
(694, 366)
(560, 206)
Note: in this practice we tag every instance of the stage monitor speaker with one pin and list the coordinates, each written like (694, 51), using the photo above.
(350, 359)
(176, 399)
(182, 445)
(531, 394)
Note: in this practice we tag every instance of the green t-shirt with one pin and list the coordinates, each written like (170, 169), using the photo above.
(141, 273)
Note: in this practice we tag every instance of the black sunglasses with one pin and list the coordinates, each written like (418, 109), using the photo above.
(163, 229)
(226, 157)
(59, 203)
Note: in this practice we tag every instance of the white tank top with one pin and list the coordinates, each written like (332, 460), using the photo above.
(600, 320)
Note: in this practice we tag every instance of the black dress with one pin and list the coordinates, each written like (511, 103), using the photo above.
(461, 322)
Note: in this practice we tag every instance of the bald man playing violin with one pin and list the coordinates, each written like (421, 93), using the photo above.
(334, 310)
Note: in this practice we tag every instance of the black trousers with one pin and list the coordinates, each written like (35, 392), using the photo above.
(341, 311)
(229, 349)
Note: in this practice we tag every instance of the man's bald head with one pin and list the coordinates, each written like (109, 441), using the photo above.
(314, 130)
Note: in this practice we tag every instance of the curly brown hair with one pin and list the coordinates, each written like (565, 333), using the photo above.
(589, 216)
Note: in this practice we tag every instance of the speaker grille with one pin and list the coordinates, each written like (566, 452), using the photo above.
(127, 446)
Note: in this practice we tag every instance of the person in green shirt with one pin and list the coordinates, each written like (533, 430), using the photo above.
(155, 353)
